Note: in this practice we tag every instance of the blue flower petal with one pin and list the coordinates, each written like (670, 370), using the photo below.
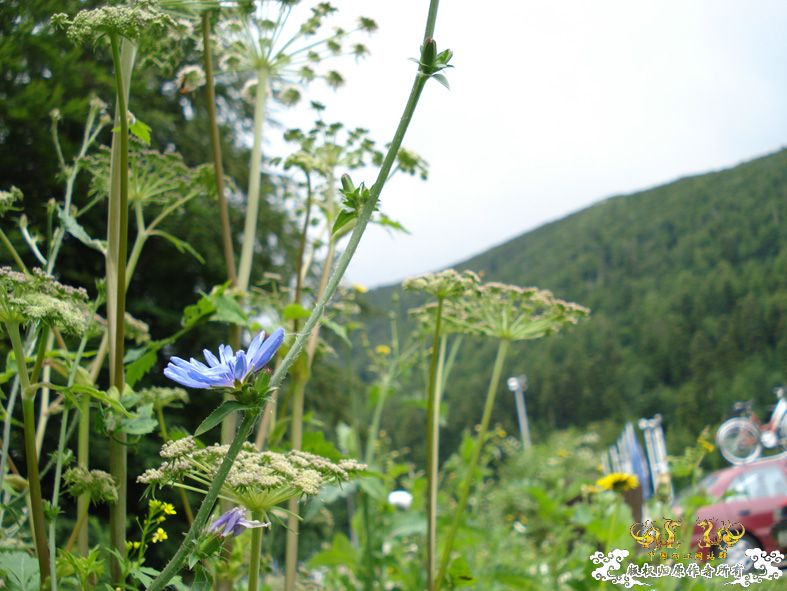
(268, 349)
(210, 358)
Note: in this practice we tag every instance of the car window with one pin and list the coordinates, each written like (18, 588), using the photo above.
(774, 482)
(757, 484)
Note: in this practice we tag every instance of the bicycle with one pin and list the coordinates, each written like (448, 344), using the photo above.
(742, 438)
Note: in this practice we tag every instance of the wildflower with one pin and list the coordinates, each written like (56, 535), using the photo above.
(229, 370)
(159, 536)
(131, 22)
(133, 545)
(233, 522)
(446, 284)
(39, 298)
(168, 508)
(359, 288)
(99, 485)
(618, 482)
(257, 481)
(383, 350)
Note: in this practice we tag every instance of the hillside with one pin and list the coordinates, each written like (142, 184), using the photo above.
(688, 287)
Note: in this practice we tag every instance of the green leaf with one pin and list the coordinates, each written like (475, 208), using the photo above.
(459, 572)
(105, 398)
(196, 312)
(295, 312)
(387, 222)
(138, 368)
(341, 553)
(345, 217)
(140, 130)
(73, 227)
(19, 571)
(373, 487)
(337, 329)
(315, 442)
(142, 423)
(218, 415)
(181, 245)
(228, 310)
(442, 80)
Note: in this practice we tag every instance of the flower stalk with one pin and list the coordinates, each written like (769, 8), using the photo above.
(432, 451)
(467, 484)
(256, 551)
(117, 246)
(31, 458)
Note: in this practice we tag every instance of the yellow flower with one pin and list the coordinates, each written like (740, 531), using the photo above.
(159, 536)
(133, 545)
(359, 288)
(618, 481)
(562, 453)
(168, 508)
(383, 349)
(153, 504)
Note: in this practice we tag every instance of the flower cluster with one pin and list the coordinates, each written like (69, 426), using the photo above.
(143, 17)
(8, 200)
(511, 312)
(37, 297)
(228, 370)
(99, 485)
(257, 481)
(446, 284)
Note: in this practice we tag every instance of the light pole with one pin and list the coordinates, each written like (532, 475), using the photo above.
(518, 385)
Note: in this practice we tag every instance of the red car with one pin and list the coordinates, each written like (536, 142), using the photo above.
(754, 495)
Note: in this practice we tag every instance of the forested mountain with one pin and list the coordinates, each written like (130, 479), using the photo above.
(687, 283)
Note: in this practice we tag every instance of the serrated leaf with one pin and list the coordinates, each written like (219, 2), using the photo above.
(181, 245)
(218, 415)
(140, 130)
(228, 310)
(142, 423)
(387, 222)
(345, 217)
(295, 312)
(139, 367)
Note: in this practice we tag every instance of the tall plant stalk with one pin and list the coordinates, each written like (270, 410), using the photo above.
(215, 143)
(432, 448)
(256, 551)
(467, 484)
(31, 458)
(255, 174)
(250, 417)
(117, 247)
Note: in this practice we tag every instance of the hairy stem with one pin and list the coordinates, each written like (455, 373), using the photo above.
(467, 484)
(31, 458)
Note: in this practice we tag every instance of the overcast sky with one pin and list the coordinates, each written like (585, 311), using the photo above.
(555, 105)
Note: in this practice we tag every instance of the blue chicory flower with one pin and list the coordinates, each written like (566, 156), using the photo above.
(229, 370)
(233, 522)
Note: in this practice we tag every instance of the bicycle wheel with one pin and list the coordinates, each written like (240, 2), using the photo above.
(739, 441)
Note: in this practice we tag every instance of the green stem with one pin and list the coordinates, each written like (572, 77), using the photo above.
(215, 142)
(256, 551)
(31, 458)
(467, 484)
(12, 251)
(250, 418)
(117, 245)
(374, 429)
(296, 440)
(255, 173)
(432, 443)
